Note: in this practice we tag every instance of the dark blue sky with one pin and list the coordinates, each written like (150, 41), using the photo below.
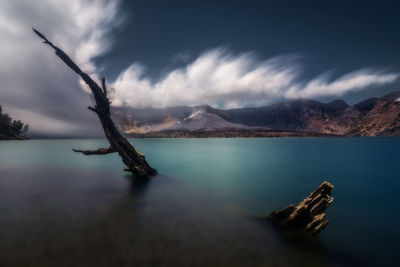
(329, 35)
(158, 55)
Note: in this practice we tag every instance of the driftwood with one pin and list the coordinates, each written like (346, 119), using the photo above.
(135, 162)
(308, 217)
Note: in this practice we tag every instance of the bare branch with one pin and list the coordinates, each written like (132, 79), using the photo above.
(94, 87)
(103, 84)
(100, 151)
(92, 109)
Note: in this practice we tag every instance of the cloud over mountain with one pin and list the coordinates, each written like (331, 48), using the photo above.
(40, 90)
(222, 79)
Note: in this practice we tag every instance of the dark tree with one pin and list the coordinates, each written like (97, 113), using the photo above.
(11, 129)
(25, 129)
(17, 126)
(135, 162)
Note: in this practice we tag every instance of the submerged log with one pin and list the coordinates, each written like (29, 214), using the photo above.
(135, 162)
(308, 217)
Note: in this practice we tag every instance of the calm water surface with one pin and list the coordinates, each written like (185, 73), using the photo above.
(207, 206)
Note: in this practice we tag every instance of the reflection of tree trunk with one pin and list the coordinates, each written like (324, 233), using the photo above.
(135, 162)
(307, 218)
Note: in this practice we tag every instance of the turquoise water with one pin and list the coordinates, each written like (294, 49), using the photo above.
(207, 206)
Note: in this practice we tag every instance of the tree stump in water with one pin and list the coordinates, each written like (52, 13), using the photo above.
(308, 217)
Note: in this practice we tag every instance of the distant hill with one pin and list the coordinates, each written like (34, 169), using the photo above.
(372, 117)
(11, 129)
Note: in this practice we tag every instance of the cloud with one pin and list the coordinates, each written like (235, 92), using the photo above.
(222, 79)
(38, 88)
(182, 57)
(353, 81)
(60, 128)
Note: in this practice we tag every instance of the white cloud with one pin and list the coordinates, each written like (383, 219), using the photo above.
(353, 81)
(39, 89)
(221, 79)
(32, 78)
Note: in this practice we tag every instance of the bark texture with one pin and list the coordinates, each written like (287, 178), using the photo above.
(308, 217)
(135, 162)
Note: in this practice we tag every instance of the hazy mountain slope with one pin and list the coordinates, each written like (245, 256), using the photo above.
(381, 118)
(149, 119)
(371, 117)
(300, 115)
(201, 119)
(178, 118)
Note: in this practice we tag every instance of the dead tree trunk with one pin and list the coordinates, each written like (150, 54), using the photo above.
(135, 162)
(307, 218)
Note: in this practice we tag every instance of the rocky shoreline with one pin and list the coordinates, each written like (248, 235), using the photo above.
(226, 133)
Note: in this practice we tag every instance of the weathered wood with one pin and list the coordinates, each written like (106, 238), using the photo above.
(134, 161)
(308, 217)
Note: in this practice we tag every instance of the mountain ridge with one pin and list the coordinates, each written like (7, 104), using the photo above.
(370, 117)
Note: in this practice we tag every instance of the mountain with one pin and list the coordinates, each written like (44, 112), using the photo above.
(379, 117)
(11, 129)
(201, 119)
(371, 117)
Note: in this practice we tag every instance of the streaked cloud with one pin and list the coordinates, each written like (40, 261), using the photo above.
(38, 88)
(354, 81)
(222, 79)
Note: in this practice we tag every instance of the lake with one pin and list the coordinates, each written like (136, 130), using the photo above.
(207, 207)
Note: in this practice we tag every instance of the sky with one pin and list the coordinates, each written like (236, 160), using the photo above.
(228, 54)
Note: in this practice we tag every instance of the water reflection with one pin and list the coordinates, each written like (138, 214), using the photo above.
(74, 210)
(72, 219)
(138, 186)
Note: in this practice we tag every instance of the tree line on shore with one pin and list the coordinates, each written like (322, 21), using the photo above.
(10, 128)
